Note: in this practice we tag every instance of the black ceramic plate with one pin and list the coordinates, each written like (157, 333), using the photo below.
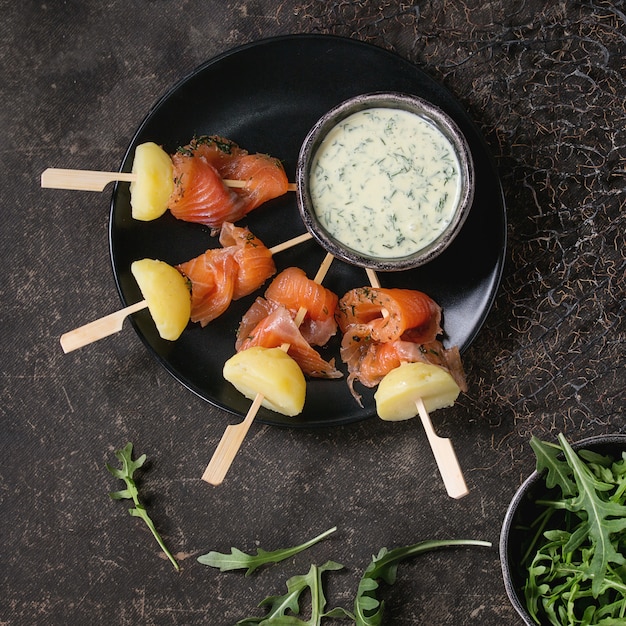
(266, 96)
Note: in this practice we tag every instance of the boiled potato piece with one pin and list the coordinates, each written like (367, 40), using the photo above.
(167, 294)
(271, 372)
(398, 390)
(150, 192)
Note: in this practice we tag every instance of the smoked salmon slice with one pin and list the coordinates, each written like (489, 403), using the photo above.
(315, 332)
(270, 321)
(212, 277)
(216, 150)
(254, 260)
(200, 194)
(279, 328)
(389, 313)
(221, 275)
(383, 328)
(370, 361)
(293, 290)
(264, 176)
(260, 309)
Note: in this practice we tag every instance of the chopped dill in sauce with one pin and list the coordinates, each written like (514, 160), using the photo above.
(385, 182)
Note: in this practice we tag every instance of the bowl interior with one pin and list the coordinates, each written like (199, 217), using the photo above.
(429, 113)
(516, 534)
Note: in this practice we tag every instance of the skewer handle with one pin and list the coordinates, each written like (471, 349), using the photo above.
(98, 329)
(81, 180)
(229, 445)
(445, 456)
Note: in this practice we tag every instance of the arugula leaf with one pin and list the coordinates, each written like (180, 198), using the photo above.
(132, 493)
(368, 610)
(283, 610)
(558, 471)
(296, 585)
(240, 560)
(603, 518)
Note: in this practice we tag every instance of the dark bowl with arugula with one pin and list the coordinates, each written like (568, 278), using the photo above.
(563, 540)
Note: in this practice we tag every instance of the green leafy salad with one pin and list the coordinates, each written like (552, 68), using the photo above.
(576, 562)
(285, 610)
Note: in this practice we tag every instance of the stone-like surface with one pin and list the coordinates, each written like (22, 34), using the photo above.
(545, 83)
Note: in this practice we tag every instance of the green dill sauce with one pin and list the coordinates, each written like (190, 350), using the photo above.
(385, 182)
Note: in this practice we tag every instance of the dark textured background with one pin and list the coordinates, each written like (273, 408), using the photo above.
(545, 83)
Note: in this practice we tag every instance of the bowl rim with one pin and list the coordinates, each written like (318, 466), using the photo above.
(394, 100)
(534, 478)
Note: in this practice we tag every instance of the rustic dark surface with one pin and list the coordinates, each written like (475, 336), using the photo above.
(545, 83)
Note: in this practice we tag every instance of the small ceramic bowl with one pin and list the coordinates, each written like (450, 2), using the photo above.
(523, 510)
(438, 132)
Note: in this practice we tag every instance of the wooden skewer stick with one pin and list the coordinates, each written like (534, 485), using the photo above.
(111, 324)
(441, 447)
(373, 278)
(445, 456)
(98, 329)
(234, 434)
(290, 243)
(93, 180)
